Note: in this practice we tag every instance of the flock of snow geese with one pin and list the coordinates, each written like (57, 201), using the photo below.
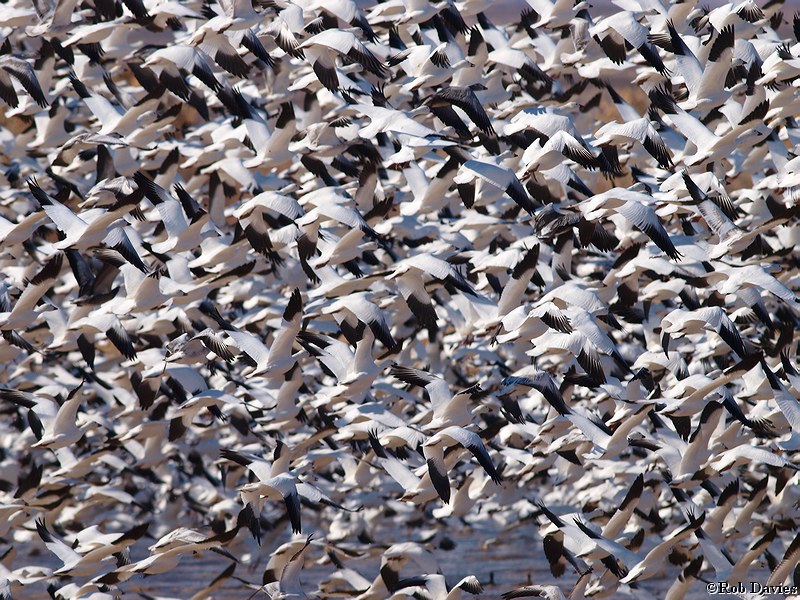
(381, 279)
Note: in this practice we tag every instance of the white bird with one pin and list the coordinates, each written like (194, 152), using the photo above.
(639, 130)
(176, 59)
(93, 228)
(434, 449)
(501, 178)
(22, 71)
(323, 48)
(182, 235)
(277, 359)
(408, 276)
(635, 208)
(62, 430)
(712, 318)
(24, 311)
(447, 410)
(288, 586)
(703, 82)
(91, 552)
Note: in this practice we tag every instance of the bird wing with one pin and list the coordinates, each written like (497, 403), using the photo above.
(686, 61)
(442, 270)
(502, 178)
(467, 101)
(437, 388)
(646, 220)
(472, 442)
(215, 343)
(169, 208)
(63, 218)
(434, 456)
(39, 284)
(284, 338)
(413, 290)
(23, 72)
(250, 345)
(118, 239)
(569, 146)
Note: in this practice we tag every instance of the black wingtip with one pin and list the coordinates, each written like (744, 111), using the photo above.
(295, 306)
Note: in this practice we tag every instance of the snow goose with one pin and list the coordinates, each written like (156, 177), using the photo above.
(585, 342)
(638, 130)
(691, 392)
(408, 273)
(572, 540)
(685, 579)
(61, 430)
(322, 49)
(271, 147)
(745, 14)
(436, 586)
(606, 442)
(731, 237)
(704, 82)
(346, 11)
(517, 60)
(94, 228)
(625, 510)
(548, 592)
(278, 359)
(24, 311)
(236, 14)
(13, 234)
(652, 563)
(22, 71)
(286, 27)
(349, 311)
(787, 403)
(447, 410)
(500, 177)
(182, 235)
(737, 280)
(624, 24)
(684, 461)
(415, 12)
(553, 15)
(425, 65)
(786, 565)
(524, 324)
(263, 214)
(100, 320)
(112, 120)
(219, 48)
(91, 552)
(390, 120)
(288, 585)
(522, 274)
(184, 348)
(54, 17)
(634, 207)
(355, 371)
(442, 101)
(681, 322)
(172, 61)
(166, 554)
(274, 486)
(416, 488)
(552, 153)
(703, 145)
(434, 449)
